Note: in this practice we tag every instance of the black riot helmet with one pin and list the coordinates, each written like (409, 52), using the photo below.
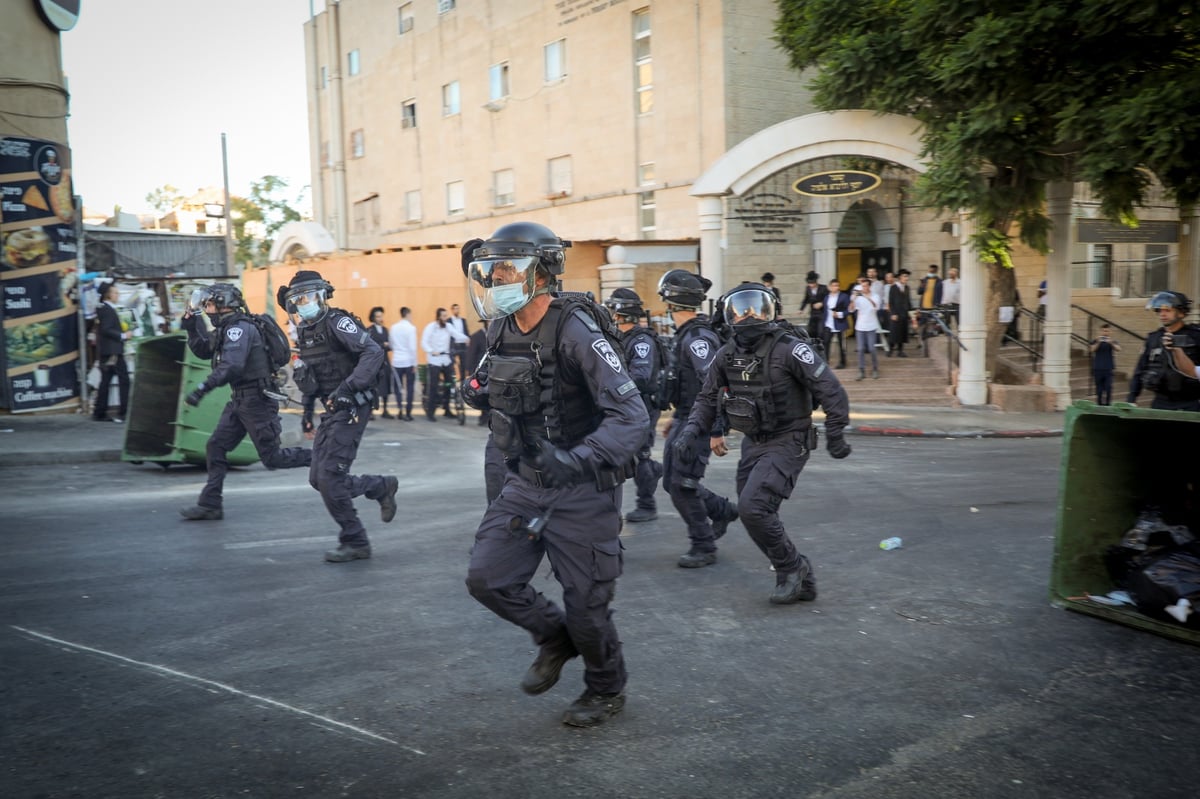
(682, 289)
(222, 295)
(750, 305)
(502, 271)
(306, 298)
(625, 303)
(1169, 299)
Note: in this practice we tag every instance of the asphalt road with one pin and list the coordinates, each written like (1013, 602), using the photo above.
(144, 656)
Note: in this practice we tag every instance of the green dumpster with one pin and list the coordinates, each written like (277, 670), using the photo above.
(159, 426)
(1111, 458)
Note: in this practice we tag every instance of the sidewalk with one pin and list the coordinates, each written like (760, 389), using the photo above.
(40, 439)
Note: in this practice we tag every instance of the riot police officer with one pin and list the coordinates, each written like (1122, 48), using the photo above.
(1174, 389)
(706, 514)
(645, 360)
(239, 360)
(569, 421)
(772, 379)
(340, 367)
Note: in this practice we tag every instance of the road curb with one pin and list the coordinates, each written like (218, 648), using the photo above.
(905, 432)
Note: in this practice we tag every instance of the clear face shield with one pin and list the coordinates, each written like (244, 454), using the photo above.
(199, 296)
(502, 286)
(305, 303)
(748, 308)
(624, 309)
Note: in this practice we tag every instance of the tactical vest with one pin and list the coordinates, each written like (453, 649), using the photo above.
(630, 340)
(755, 406)
(523, 384)
(257, 368)
(330, 363)
(690, 380)
(1162, 378)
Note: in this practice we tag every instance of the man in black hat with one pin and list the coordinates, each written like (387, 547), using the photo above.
(814, 300)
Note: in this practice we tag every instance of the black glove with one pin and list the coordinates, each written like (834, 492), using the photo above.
(685, 447)
(306, 422)
(837, 446)
(197, 394)
(475, 392)
(344, 402)
(561, 468)
(189, 322)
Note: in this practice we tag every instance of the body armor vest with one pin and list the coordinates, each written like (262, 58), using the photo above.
(755, 406)
(321, 352)
(690, 381)
(1160, 375)
(257, 369)
(524, 386)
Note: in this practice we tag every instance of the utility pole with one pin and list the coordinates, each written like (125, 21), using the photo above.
(230, 266)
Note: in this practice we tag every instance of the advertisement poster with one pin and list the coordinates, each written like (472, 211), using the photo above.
(38, 275)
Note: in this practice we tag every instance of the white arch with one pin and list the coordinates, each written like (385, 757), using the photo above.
(888, 137)
(312, 237)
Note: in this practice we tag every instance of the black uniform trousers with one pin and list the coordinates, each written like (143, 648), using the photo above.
(112, 366)
(247, 412)
(766, 475)
(435, 389)
(697, 506)
(828, 337)
(334, 449)
(581, 541)
(648, 470)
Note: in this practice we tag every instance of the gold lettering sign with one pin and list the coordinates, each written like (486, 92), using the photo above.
(836, 184)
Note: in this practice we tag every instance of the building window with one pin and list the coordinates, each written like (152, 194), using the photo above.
(324, 77)
(358, 146)
(445, 5)
(646, 214)
(646, 174)
(498, 81)
(352, 62)
(559, 176)
(408, 114)
(456, 194)
(406, 18)
(450, 104)
(1100, 268)
(950, 260)
(556, 60)
(643, 65)
(412, 205)
(502, 188)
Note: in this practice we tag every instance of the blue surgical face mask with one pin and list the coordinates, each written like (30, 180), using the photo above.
(309, 310)
(509, 299)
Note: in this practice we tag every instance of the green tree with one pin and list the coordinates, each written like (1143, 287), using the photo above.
(1013, 95)
(164, 198)
(266, 205)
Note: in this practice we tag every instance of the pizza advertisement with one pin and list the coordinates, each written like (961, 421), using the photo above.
(39, 347)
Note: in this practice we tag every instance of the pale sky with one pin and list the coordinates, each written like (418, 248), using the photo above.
(154, 84)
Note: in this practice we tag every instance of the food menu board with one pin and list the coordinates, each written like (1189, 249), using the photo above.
(38, 275)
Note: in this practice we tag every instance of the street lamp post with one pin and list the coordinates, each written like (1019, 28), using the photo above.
(230, 266)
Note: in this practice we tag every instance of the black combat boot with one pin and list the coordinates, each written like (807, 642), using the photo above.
(695, 559)
(591, 709)
(797, 586)
(641, 515)
(547, 667)
(720, 524)
(199, 513)
(345, 553)
(387, 503)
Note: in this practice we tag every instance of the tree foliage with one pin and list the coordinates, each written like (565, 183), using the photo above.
(268, 206)
(1013, 95)
(164, 198)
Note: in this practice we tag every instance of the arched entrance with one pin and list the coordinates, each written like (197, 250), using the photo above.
(887, 138)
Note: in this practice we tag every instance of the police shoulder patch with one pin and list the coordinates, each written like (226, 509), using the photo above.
(346, 325)
(641, 349)
(803, 353)
(701, 348)
(605, 351)
(234, 333)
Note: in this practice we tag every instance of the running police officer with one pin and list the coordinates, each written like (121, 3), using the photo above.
(773, 379)
(340, 367)
(645, 361)
(239, 360)
(1174, 389)
(569, 421)
(706, 514)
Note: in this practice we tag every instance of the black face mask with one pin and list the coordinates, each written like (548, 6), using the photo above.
(749, 336)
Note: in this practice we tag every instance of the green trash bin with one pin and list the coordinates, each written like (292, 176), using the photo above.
(1111, 457)
(160, 426)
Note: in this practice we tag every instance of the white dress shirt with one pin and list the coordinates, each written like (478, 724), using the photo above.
(403, 338)
(951, 291)
(436, 342)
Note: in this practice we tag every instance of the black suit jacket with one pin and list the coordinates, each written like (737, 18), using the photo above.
(109, 338)
(812, 296)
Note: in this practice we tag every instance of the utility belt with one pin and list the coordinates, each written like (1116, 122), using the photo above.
(606, 479)
(265, 387)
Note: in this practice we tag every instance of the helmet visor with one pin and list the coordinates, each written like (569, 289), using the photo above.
(620, 306)
(501, 286)
(749, 307)
(1163, 299)
(305, 302)
(199, 296)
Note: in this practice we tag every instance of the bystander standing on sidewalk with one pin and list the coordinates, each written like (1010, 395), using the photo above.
(1103, 364)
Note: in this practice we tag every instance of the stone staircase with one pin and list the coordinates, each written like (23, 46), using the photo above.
(1081, 371)
(915, 380)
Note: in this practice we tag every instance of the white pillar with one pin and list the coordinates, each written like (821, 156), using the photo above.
(616, 274)
(824, 239)
(712, 261)
(1187, 270)
(972, 320)
(1056, 367)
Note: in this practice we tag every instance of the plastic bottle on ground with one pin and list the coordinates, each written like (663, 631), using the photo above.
(891, 543)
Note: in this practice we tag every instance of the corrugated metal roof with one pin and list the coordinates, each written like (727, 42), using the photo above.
(149, 253)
